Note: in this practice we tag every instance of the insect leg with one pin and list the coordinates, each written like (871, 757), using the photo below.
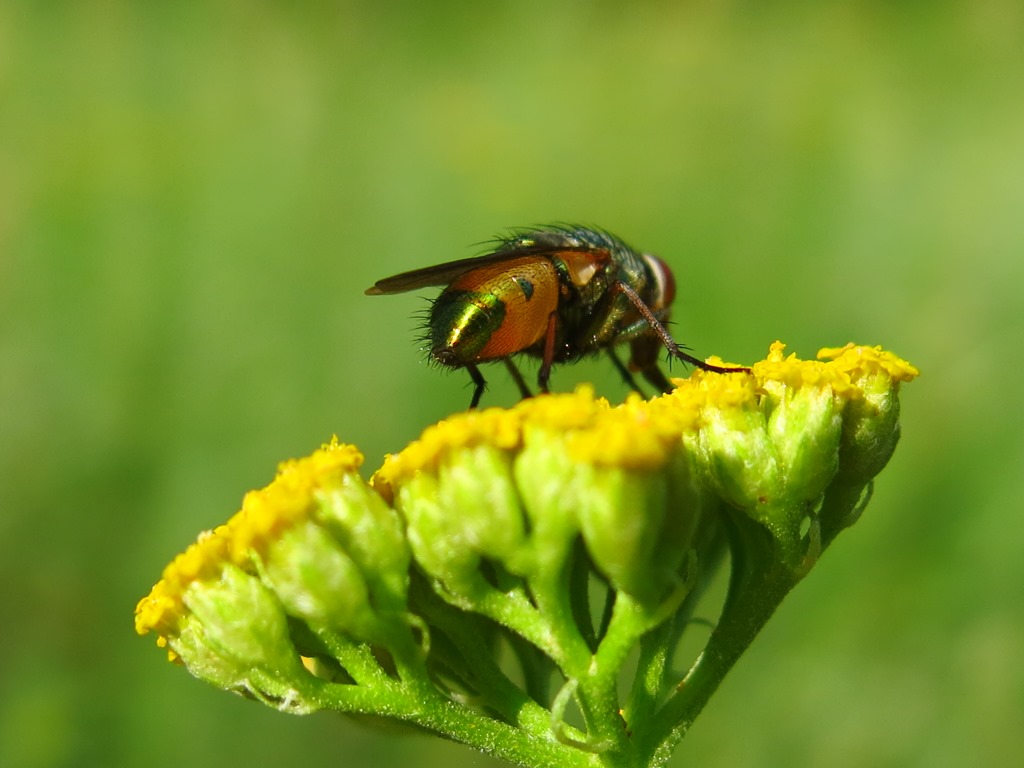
(644, 358)
(549, 354)
(666, 338)
(479, 384)
(624, 372)
(517, 377)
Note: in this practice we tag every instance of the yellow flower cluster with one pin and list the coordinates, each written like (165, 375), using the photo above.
(502, 528)
(264, 514)
(638, 435)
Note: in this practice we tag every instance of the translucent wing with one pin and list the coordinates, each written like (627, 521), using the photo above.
(438, 274)
(544, 242)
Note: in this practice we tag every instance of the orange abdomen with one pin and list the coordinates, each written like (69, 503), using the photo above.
(494, 311)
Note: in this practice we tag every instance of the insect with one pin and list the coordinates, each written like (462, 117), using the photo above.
(560, 293)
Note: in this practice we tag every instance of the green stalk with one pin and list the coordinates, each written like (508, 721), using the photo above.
(762, 575)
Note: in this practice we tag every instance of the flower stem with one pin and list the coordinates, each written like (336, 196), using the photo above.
(425, 706)
(762, 575)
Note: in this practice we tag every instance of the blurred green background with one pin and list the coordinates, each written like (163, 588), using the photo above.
(194, 195)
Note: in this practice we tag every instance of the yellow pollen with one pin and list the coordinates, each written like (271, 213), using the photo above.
(863, 361)
(492, 426)
(263, 515)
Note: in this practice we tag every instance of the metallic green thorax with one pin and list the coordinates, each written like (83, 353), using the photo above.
(593, 317)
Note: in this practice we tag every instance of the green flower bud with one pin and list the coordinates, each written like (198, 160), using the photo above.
(372, 535)
(637, 530)
(318, 582)
(547, 485)
(871, 420)
(235, 625)
(804, 426)
(637, 499)
(737, 451)
(870, 429)
(467, 512)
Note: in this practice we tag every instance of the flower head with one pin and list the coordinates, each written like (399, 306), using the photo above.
(499, 522)
(317, 545)
(517, 487)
